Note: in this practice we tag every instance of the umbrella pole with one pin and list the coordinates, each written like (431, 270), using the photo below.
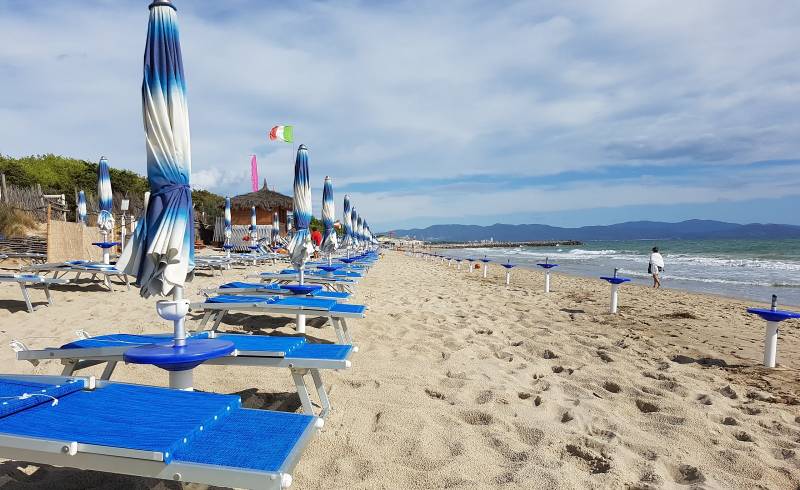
(176, 311)
(106, 251)
(301, 318)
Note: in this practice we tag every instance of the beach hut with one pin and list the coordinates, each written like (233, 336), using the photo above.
(267, 203)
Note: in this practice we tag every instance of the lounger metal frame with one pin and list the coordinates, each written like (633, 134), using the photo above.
(61, 270)
(23, 285)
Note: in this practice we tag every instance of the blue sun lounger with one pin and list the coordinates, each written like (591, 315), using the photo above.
(25, 280)
(151, 432)
(215, 308)
(79, 267)
(258, 288)
(300, 357)
(330, 283)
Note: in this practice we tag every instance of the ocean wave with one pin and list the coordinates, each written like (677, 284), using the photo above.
(709, 280)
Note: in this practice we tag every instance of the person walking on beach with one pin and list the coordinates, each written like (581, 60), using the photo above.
(655, 267)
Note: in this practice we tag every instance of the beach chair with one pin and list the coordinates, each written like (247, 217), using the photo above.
(25, 280)
(259, 289)
(80, 267)
(330, 283)
(303, 359)
(216, 307)
(151, 432)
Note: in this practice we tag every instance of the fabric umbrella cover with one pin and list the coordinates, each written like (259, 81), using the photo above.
(329, 239)
(346, 222)
(161, 253)
(353, 223)
(360, 229)
(105, 220)
(253, 226)
(301, 247)
(82, 207)
(228, 227)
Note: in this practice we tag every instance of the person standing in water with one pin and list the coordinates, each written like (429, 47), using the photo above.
(655, 267)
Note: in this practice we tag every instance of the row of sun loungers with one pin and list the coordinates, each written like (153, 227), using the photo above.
(177, 435)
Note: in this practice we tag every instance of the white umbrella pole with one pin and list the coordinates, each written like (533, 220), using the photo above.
(547, 281)
(485, 269)
(301, 318)
(176, 311)
(771, 344)
(106, 251)
(508, 277)
(122, 233)
(614, 298)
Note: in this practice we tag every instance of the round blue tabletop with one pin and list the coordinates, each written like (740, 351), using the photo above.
(485, 260)
(348, 261)
(547, 266)
(168, 356)
(301, 289)
(615, 280)
(774, 315)
(105, 244)
(508, 266)
(329, 268)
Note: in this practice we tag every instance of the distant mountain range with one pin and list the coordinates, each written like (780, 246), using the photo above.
(633, 230)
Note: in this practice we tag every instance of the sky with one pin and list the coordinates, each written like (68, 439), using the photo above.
(564, 113)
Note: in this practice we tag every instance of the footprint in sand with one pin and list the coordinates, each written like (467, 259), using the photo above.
(476, 417)
(485, 396)
(604, 356)
(537, 401)
(729, 421)
(687, 475)
(646, 407)
(523, 395)
(611, 386)
(743, 436)
(594, 462)
(434, 394)
(566, 417)
(548, 354)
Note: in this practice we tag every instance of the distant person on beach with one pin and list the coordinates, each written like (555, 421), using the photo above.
(655, 267)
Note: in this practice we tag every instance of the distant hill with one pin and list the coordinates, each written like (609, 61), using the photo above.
(632, 230)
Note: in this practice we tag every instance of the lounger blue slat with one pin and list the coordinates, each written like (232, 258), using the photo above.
(338, 352)
(16, 396)
(320, 304)
(116, 408)
(118, 340)
(276, 287)
(287, 345)
(346, 308)
(236, 298)
(232, 442)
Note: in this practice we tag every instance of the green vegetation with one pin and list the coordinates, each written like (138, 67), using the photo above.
(62, 175)
(14, 223)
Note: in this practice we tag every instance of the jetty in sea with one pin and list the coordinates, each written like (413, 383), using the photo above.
(493, 244)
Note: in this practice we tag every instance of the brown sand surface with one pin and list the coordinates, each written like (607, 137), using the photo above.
(462, 382)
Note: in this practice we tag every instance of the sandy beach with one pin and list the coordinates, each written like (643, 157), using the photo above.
(462, 382)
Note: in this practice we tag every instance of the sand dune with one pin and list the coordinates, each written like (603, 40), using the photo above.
(462, 382)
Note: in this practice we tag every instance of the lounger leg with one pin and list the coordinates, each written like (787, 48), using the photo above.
(346, 331)
(218, 320)
(206, 317)
(47, 294)
(107, 283)
(78, 277)
(321, 393)
(337, 327)
(109, 370)
(69, 368)
(127, 282)
(302, 391)
(26, 297)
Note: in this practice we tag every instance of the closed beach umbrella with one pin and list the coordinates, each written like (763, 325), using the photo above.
(329, 238)
(301, 248)
(82, 207)
(161, 253)
(253, 225)
(347, 223)
(360, 229)
(105, 220)
(354, 226)
(276, 227)
(228, 227)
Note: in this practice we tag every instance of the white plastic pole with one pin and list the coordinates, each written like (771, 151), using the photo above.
(508, 277)
(469, 267)
(614, 297)
(181, 380)
(301, 318)
(771, 344)
(485, 269)
(106, 251)
(458, 266)
(546, 281)
(122, 231)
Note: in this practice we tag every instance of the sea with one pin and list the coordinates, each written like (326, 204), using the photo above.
(745, 269)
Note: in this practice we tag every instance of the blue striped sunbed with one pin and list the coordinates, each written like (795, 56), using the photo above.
(216, 307)
(257, 288)
(151, 432)
(302, 358)
(26, 280)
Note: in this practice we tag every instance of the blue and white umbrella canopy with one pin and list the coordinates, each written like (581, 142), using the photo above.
(161, 254)
(82, 207)
(353, 224)
(228, 227)
(329, 238)
(347, 223)
(360, 229)
(253, 226)
(301, 247)
(105, 220)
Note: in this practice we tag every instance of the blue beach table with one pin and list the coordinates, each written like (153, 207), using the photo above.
(615, 281)
(773, 316)
(485, 266)
(546, 265)
(508, 266)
